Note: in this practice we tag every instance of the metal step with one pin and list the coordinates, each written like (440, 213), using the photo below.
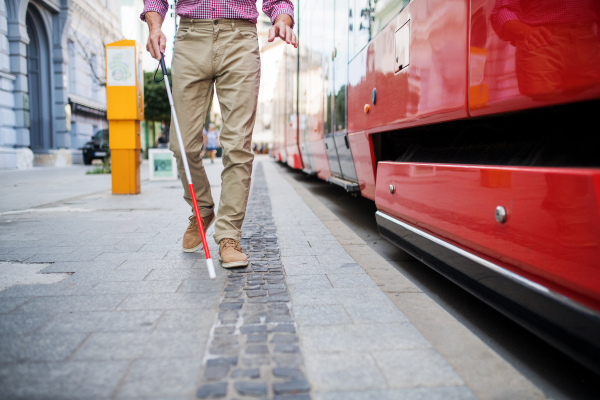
(350, 186)
(309, 172)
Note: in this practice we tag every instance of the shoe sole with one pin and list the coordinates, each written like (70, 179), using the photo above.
(200, 245)
(233, 264)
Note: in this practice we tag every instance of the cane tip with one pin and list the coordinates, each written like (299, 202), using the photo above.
(211, 268)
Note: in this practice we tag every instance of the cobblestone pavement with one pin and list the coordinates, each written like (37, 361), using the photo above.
(132, 316)
(253, 350)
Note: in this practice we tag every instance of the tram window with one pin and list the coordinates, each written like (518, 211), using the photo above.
(369, 17)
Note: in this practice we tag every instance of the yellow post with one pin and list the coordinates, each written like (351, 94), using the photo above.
(125, 110)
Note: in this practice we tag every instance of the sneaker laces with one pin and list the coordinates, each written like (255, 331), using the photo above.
(231, 243)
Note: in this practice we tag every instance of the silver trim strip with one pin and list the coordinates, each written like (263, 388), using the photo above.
(496, 268)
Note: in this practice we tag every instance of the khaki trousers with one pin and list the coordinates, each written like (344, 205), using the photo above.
(223, 54)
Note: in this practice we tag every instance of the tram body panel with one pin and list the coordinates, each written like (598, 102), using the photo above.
(365, 162)
(433, 36)
(552, 226)
(505, 74)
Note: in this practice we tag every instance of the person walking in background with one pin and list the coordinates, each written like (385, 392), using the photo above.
(212, 142)
(216, 46)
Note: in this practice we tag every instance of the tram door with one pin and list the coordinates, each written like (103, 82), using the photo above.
(328, 86)
(340, 88)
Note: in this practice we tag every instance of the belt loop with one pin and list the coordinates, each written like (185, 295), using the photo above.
(233, 25)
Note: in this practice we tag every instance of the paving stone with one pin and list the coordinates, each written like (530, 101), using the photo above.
(22, 324)
(229, 361)
(288, 360)
(256, 338)
(330, 314)
(286, 348)
(283, 328)
(415, 368)
(258, 300)
(103, 321)
(278, 298)
(252, 373)
(291, 387)
(278, 338)
(186, 320)
(225, 340)
(300, 396)
(251, 388)
(257, 349)
(439, 393)
(71, 304)
(253, 328)
(256, 293)
(54, 380)
(167, 301)
(216, 372)
(39, 347)
(351, 280)
(213, 390)
(281, 372)
(346, 371)
(138, 345)
(169, 378)
(225, 330)
(230, 306)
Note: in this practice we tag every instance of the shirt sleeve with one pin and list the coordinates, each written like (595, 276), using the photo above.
(504, 11)
(274, 8)
(160, 6)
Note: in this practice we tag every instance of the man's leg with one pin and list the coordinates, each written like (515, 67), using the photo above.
(192, 77)
(237, 72)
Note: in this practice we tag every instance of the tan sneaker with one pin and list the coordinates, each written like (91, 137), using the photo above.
(231, 254)
(191, 238)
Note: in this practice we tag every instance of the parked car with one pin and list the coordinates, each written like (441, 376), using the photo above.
(97, 148)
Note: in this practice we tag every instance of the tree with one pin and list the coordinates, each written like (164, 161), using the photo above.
(156, 101)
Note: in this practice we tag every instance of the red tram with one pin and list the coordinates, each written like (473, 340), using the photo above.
(473, 125)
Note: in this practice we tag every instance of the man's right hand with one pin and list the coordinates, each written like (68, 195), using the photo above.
(531, 36)
(157, 41)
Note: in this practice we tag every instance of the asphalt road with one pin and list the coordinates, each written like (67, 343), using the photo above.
(557, 375)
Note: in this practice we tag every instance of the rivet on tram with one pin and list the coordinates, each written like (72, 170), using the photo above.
(392, 189)
(367, 108)
(501, 214)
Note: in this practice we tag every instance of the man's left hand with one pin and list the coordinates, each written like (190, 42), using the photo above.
(283, 28)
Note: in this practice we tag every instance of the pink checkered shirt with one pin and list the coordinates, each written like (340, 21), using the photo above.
(216, 9)
(543, 12)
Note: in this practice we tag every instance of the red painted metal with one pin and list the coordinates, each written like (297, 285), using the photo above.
(320, 158)
(292, 147)
(431, 89)
(506, 76)
(361, 145)
(199, 219)
(552, 233)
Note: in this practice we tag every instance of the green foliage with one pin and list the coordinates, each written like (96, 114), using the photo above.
(101, 169)
(156, 102)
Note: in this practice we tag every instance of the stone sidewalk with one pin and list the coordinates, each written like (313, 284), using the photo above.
(132, 316)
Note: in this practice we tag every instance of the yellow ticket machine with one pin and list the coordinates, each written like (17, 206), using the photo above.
(125, 110)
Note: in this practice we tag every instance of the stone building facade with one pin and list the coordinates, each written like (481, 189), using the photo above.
(52, 97)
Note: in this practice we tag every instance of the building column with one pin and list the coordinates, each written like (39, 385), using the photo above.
(60, 58)
(17, 42)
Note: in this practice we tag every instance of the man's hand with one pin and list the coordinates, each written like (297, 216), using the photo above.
(532, 36)
(157, 41)
(283, 28)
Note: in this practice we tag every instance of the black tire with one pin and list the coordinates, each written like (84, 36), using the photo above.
(87, 159)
